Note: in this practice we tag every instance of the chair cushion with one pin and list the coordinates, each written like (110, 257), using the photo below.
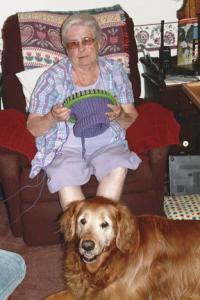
(182, 207)
(137, 181)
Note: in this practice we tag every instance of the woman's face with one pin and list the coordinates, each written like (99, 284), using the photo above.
(82, 47)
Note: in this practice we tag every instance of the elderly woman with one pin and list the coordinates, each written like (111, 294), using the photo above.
(59, 151)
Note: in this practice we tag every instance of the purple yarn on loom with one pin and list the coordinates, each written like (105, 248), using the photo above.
(90, 117)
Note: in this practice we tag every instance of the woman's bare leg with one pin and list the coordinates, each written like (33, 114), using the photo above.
(111, 185)
(69, 194)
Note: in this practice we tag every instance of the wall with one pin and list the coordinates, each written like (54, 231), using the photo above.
(142, 11)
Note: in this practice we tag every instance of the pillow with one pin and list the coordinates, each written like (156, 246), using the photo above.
(28, 79)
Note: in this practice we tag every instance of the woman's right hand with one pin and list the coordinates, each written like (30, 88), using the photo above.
(60, 113)
(40, 124)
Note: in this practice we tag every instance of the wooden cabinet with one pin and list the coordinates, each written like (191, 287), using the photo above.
(189, 9)
(174, 98)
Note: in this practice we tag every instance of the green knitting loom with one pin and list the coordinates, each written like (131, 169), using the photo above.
(91, 94)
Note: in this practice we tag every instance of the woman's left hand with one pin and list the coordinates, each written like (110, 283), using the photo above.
(115, 111)
(124, 114)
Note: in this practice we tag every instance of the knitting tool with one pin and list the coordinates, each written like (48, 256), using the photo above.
(90, 94)
(88, 112)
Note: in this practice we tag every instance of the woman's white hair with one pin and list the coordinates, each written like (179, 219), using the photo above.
(85, 19)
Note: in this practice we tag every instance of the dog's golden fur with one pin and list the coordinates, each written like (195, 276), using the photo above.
(113, 255)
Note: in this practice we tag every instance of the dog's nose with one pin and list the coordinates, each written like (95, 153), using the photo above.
(88, 245)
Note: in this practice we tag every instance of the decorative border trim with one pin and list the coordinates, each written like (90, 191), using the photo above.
(148, 35)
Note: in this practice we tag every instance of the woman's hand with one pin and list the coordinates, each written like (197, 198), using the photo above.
(115, 111)
(40, 124)
(60, 113)
(124, 114)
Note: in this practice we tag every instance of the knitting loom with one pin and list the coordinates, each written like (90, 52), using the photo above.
(90, 94)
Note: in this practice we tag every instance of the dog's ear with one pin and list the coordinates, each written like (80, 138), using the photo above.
(67, 221)
(125, 228)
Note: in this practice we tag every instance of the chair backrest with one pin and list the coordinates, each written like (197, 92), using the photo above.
(32, 39)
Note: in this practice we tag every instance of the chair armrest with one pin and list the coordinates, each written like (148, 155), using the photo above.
(10, 169)
(158, 158)
(152, 133)
(1, 88)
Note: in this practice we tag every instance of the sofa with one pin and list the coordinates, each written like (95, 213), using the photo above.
(34, 212)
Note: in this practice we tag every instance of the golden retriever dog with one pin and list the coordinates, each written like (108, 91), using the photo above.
(111, 254)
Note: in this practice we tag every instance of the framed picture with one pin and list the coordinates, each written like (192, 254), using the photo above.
(187, 51)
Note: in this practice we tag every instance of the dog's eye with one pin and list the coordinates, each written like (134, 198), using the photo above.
(83, 221)
(104, 224)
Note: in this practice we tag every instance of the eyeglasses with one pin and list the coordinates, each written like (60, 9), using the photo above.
(86, 41)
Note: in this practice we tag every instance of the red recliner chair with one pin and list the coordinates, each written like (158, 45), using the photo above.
(31, 40)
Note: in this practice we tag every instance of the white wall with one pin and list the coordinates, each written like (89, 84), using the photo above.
(142, 11)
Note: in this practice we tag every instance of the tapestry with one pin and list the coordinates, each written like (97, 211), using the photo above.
(41, 42)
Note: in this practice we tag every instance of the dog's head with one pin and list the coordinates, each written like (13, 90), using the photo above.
(98, 224)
